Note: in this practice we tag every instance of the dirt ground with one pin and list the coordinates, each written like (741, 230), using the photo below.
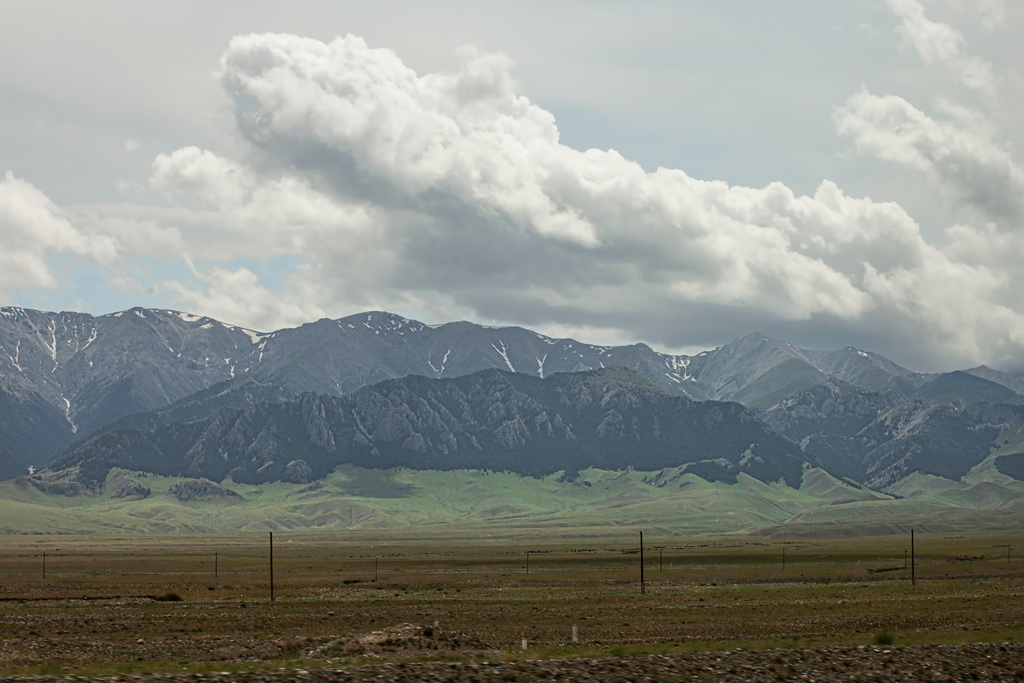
(863, 664)
(714, 611)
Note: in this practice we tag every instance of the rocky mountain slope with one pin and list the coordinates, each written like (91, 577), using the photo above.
(31, 430)
(490, 420)
(877, 438)
(91, 371)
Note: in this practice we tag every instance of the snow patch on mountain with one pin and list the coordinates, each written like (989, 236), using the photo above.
(503, 352)
(254, 337)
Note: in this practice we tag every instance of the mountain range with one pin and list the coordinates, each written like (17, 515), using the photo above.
(200, 397)
(494, 420)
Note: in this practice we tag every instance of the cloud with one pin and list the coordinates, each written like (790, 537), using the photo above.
(941, 44)
(968, 308)
(194, 173)
(450, 195)
(232, 295)
(139, 232)
(31, 229)
(958, 154)
(496, 197)
(991, 13)
(467, 136)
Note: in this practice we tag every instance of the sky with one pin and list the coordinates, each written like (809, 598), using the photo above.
(677, 173)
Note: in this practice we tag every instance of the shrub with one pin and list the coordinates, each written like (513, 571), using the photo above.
(169, 597)
(884, 638)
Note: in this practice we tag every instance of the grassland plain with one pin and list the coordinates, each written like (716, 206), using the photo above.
(108, 603)
(366, 561)
(478, 504)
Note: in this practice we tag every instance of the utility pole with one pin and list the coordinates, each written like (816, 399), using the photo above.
(643, 589)
(271, 566)
(913, 564)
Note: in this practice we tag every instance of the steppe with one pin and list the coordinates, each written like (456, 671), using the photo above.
(393, 605)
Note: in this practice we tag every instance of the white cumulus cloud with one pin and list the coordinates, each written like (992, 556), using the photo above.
(959, 153)
(237, 295)
(31, 229)
(200, 174)
(450, 192)
(451, 195)
(466, 135)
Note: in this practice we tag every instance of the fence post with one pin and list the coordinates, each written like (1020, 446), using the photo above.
(643, 588)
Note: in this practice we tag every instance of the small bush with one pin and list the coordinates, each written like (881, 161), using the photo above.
(428, 632)
(169, 597)
(884, 638)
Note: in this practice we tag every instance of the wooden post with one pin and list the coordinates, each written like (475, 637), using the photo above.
(271, 566)
(643, 589)
(575, 634)
(913, 564)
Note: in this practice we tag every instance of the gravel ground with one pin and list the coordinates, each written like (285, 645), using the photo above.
(913, 663)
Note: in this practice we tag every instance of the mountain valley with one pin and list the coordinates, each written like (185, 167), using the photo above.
(170, 394)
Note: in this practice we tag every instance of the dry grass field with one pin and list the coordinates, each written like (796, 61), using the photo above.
(110, 604)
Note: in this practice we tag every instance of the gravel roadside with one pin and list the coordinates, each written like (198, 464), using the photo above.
(985, 662)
